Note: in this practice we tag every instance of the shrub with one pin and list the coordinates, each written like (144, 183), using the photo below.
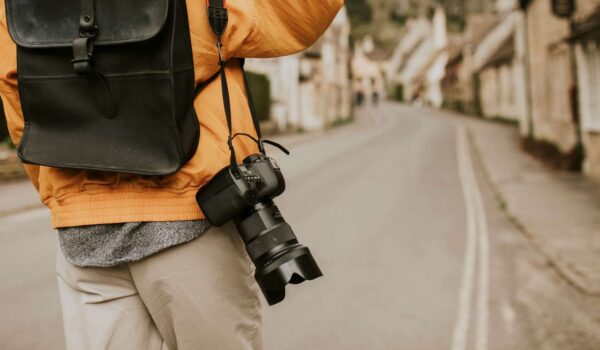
(551, 154)
(260, 87)
(398, 93)
(361, 15)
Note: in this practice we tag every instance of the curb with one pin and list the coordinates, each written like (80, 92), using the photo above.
(569, 272)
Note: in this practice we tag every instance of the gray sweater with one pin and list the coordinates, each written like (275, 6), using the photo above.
(114, 244)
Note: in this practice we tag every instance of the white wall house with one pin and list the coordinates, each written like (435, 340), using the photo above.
(417, 30)
(500, 60)
(312, 89)
(368, 74)
(419, 61)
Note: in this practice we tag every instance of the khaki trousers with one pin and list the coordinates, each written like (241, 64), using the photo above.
(199, 295)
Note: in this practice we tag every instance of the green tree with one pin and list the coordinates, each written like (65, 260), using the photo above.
(361, 16)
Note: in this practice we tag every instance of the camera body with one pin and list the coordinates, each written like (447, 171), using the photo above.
(228, 195)
(244, 194)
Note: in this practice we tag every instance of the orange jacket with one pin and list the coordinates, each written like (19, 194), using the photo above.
(256, 29)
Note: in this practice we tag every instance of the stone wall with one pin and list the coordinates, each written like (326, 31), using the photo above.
(498, 93)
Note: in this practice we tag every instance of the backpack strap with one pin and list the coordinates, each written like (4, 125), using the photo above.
(217, 16)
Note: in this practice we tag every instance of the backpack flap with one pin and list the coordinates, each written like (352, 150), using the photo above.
(105, 84)
(56, 23)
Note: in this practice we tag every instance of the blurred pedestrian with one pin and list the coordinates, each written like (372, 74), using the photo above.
(360, 98)
(375, 98)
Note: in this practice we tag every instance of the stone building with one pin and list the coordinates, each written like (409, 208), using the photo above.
(368, 72)
(553, 117)
(499, 61)
(453, 7)
(325, 86)
(499, 98)
(460, 86)
(418, 63)
(311, 90)
(564, 75)
(452, 84)
(415, 32)
(536, 62)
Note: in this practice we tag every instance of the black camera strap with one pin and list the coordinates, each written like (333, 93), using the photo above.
(218, 18)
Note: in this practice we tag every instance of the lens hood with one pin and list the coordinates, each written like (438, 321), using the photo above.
(294, 266)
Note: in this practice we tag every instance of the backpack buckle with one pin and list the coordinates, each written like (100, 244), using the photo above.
(83, 55)
(83, 47)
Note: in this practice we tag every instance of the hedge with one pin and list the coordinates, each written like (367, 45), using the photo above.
(260, 87)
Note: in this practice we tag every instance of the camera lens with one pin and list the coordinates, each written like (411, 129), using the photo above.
(275, 251)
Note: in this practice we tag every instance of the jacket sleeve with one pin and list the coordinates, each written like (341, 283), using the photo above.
(11, 107)
(283, 27)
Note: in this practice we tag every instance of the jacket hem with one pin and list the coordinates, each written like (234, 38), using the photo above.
(123, 207)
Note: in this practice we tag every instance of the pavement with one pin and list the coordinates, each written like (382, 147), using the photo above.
(17, 196)
(419, 241)
(559, 211)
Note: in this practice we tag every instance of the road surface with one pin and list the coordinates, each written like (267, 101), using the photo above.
(416, 251)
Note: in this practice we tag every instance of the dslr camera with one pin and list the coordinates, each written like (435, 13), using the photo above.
(244, 193)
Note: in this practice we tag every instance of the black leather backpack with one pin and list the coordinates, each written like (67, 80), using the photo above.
(105, 85)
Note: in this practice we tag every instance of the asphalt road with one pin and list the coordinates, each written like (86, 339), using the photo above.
(416, 251)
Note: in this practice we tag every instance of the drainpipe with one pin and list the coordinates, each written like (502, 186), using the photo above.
(566, 9)
(575, 90)
(527, 56)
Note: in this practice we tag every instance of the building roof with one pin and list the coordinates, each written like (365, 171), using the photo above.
(503, 55)
(315, 50)
(379, 53)
(406, 59)
(479, 26)
(587, 28)
(455, 50)
(425, 68)
(383, 52)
